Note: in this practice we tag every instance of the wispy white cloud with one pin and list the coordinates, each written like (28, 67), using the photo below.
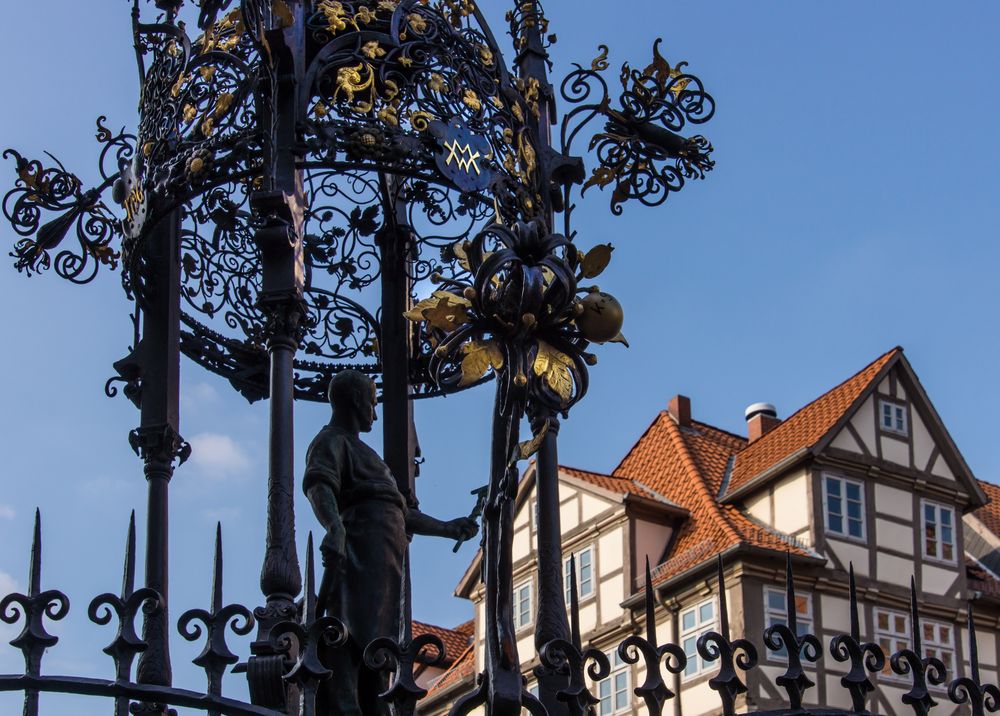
(198, 395)
(8, 584)
(7, 512)
(218, 457)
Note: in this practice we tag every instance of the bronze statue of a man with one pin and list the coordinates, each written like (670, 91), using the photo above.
(367, 523)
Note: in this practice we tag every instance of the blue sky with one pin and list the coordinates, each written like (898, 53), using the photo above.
(853, 208)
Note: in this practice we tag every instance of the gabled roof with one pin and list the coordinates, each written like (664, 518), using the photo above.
(455, 641)
(621, 486)
(806, 428)
(989, 514)
(688, 466)
(461, 672)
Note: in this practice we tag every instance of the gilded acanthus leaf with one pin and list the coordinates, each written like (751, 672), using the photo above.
(601, 177)
(596, 260)
(283, 12)
(554, 366)
(479, 357)
(528, 448)
(443, 310)
(600, 62)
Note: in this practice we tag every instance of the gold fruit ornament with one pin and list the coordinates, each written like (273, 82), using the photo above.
(602, 317)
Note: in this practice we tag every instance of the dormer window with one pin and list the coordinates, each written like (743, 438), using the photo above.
(894, 418)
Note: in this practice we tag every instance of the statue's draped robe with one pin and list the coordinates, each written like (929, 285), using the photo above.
(366, 595)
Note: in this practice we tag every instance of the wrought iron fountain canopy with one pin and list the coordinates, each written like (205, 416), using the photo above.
(301, 171)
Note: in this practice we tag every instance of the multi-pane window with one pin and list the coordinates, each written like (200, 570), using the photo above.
(694, 622)
(894, 417)
(522, 605)
(615, 692)
(845, 507)
(939, 532)
(775, 613)
(584, 574)
(892, 631)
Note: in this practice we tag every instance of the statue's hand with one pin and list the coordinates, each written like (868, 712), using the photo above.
(333, 547)
(463, 528)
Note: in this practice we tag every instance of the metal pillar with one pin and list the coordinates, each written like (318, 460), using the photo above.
(157, 439)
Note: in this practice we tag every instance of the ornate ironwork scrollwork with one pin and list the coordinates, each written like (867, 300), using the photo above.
(653, 690)
(216, 655)
(970, 689)
(126, 607)
(730, 653)
(785, 638)
(399, 659)
(863, 656)
(639, 152)
(923, 671)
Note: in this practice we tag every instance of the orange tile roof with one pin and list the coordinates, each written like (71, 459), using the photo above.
(687, 465)
(455, 641)
(989, 514)
(611, 483)
(806, 427)
(464, 669)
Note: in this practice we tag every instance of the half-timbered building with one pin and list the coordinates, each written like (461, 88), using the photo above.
(865, 475)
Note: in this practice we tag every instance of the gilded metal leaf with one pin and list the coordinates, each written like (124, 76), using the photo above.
(554, 366)
(479, 357)
(596, 260)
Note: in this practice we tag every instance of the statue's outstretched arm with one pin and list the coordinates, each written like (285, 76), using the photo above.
(463, 528)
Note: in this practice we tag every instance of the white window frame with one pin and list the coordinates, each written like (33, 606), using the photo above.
(892, 640)
(579, 574)
(700, 627)
(520, 625)
(899, 422)
(844, 514)
(775, 615)
(615, 687)
(939, 510)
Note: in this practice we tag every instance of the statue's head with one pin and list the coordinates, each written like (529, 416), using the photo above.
(352, 393)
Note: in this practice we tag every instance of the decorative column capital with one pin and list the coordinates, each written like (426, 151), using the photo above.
(159, 444)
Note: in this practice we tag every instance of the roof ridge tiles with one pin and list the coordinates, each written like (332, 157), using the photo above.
(673, 430)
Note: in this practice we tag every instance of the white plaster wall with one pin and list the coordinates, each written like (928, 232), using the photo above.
(612, 594)
(592, 506)
(588, 617)
(941, 469)
(837, 616)
(894, 570)
(792, 511)
(698, 699)
(521, 544)
(892, 534)
(836, 695)
(845, 441)
(759, 506)
(650, 541)
(937, 580)
(987, 647)
(923, 443)
(896, 451)
(847, 553)
(611, 548)
(569, 514)
(864, 422)
(893, 501)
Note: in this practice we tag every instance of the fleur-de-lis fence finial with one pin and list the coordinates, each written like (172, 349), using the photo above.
(33, 607)
(216, 656)
(306, 639)
(571, 659)
(864, 656)
(970, 689)
(921, 669)
(716, 646)
(653, 690)
(127, 643)
(785, 638)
